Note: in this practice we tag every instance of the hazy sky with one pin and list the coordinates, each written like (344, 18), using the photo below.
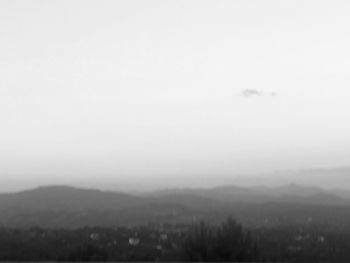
(130, 93)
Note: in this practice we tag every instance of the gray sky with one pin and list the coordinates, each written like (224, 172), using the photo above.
(131, 93)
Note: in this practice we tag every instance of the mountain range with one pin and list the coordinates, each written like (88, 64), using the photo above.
(69, 207)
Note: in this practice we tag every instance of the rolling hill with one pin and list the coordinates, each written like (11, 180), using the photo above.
(68, 207)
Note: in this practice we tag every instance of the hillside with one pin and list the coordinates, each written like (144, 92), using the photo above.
(68, 207)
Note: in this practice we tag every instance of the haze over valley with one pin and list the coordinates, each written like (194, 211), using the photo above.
(135, 95)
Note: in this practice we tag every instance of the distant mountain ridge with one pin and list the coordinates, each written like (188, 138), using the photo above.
(67, 207)
(337, 177)
(262, 194)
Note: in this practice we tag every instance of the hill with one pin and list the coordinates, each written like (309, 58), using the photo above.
(68, 207)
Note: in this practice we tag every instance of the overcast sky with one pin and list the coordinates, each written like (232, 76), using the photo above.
(130, 93)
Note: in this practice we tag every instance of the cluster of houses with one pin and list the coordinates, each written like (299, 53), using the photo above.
(160, 236)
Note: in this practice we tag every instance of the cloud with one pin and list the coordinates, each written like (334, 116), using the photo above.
(249, 93)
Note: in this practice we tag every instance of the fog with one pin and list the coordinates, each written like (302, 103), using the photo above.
(144, 94)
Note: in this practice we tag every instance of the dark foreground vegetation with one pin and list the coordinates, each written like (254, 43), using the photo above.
(228, 241)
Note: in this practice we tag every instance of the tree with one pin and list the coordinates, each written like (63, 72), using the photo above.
(88, 252)
(199, 242)
(227, 242)
(230, 242)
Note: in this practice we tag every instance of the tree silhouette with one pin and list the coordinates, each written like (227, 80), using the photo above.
(198, 245)
(228, 242)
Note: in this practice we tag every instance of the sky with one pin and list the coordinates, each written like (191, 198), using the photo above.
(132, 93)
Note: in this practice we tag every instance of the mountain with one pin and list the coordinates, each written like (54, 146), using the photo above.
(63, 206)
(223, 193)
(66, 198)
(338, 177)
(291, 193)
(68, 207)
(293, 189)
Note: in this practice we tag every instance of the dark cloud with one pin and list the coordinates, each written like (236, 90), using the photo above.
(248, 93)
